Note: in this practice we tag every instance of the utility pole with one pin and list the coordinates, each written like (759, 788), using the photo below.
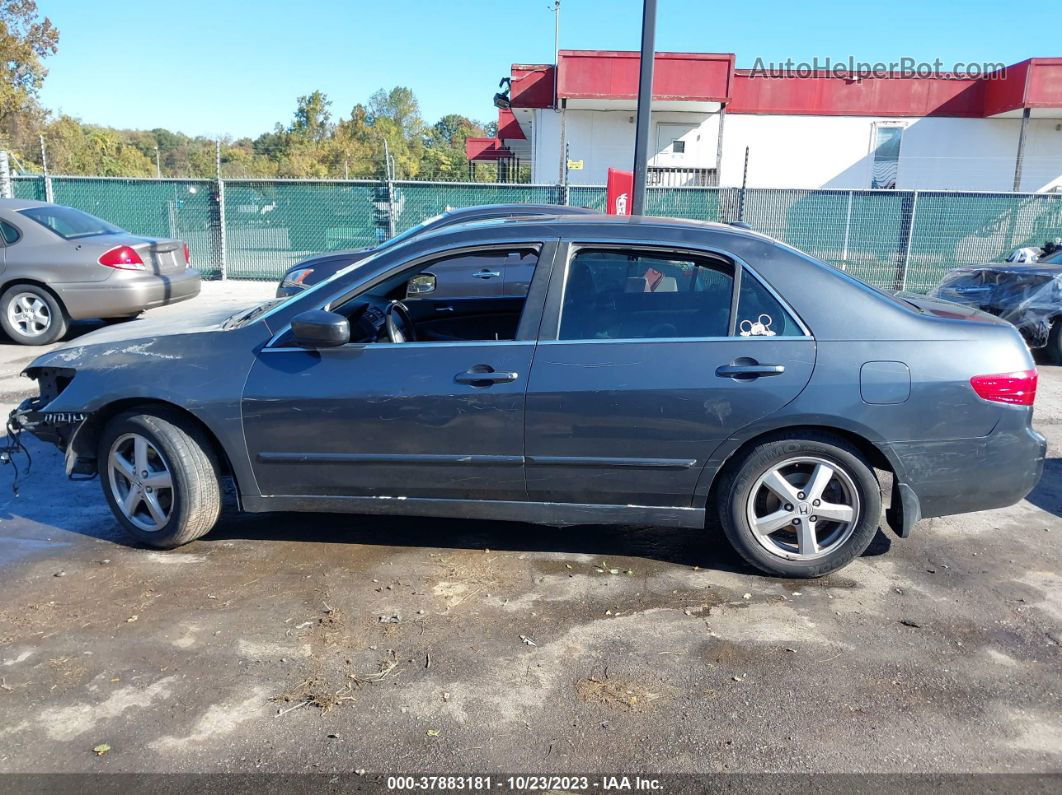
(1019, 162)
(221, 237)
(48, 195)
(556, 54)
(645, 102)
(158, 164)
(6, 187)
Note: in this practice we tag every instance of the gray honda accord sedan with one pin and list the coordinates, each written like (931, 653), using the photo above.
(655, 372)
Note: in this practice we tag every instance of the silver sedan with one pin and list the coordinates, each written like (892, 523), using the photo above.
(59, 264)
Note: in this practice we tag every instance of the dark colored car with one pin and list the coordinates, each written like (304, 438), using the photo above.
(656, 371)
(1027, 295)
(455, 280)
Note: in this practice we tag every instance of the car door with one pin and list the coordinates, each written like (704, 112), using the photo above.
(471, 276)
(429, 420)
(642, 371)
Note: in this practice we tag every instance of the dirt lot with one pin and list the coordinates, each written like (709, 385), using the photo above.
(340, 643)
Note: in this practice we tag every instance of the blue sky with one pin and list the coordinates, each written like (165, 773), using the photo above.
(226, 67)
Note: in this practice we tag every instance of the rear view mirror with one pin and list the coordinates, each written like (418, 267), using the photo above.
(320, 329)
(421, 284)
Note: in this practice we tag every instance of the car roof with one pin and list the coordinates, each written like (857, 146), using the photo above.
(620, 224)
(22, 204)
(515, 207)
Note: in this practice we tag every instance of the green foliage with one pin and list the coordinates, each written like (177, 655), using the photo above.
(24, 41)
(311, 145)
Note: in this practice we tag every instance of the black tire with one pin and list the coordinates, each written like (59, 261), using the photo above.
(194, 500)
(58, 322)
(736, 488)
(1054, 342)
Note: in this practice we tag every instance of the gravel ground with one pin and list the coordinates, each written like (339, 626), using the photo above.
(339, 643)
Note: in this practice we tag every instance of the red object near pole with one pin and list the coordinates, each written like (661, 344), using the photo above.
(618, 192)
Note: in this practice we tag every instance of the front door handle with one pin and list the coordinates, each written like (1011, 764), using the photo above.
(748, 371)
(484, 375)
(486, 274)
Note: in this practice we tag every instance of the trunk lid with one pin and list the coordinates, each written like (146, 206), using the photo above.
(937, 307)
(160, 255)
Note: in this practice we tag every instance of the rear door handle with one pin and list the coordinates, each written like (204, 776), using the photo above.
(486, 274)
(749, 370)
(484, 375)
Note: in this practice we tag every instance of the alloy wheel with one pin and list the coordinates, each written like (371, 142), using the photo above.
(141, 482)
(28, 313)
(803, 508)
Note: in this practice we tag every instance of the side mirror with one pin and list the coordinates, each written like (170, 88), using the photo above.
(421, 284)
(320, 329)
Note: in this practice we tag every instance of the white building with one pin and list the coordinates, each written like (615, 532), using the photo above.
(997, 132)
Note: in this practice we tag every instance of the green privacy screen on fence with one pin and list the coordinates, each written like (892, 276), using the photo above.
(892, 239)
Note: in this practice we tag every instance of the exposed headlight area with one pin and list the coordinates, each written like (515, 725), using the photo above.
(51, 381)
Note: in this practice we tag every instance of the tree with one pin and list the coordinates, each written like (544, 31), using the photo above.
(313, 120)
(444, 152)
(74, 148)
(25, 40)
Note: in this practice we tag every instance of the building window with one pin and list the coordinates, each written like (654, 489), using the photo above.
(678, 147)
(885, 156)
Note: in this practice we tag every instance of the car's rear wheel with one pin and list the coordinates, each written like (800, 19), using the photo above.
(31, 315)
(800, 506)
(160, 477)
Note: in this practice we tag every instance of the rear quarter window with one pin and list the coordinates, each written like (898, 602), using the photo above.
(760, 314)
(9, 233)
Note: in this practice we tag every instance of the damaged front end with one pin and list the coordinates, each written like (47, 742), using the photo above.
(58, 428)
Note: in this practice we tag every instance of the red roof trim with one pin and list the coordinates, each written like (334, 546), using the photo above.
(486, 149)
(509, 127)
(711, 77)
(613, 74)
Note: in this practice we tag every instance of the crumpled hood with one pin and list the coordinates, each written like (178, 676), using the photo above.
(140, 337)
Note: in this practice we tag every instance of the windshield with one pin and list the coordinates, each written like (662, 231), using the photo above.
(69, 223)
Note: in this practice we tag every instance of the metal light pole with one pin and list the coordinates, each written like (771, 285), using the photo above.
(158, 164)
(645, 101)
(556, 53)
(48, 195)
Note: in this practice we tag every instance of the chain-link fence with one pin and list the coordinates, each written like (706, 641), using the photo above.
(258, 228)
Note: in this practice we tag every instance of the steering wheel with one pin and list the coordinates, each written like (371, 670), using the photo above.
(403, 329)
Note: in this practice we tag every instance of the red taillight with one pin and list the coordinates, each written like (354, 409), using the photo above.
(187, 254)
(122, 257)
(1018, 388)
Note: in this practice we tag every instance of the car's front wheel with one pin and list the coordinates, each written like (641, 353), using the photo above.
(31, 315)
(800, 506)
(160, 477)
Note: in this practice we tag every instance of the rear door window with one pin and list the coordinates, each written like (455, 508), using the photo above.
(631, 294)
(69, 223)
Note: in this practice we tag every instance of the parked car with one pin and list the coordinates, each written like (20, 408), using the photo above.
(457, 280)
(60, 264)
(657, 371)
(1027, 295)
